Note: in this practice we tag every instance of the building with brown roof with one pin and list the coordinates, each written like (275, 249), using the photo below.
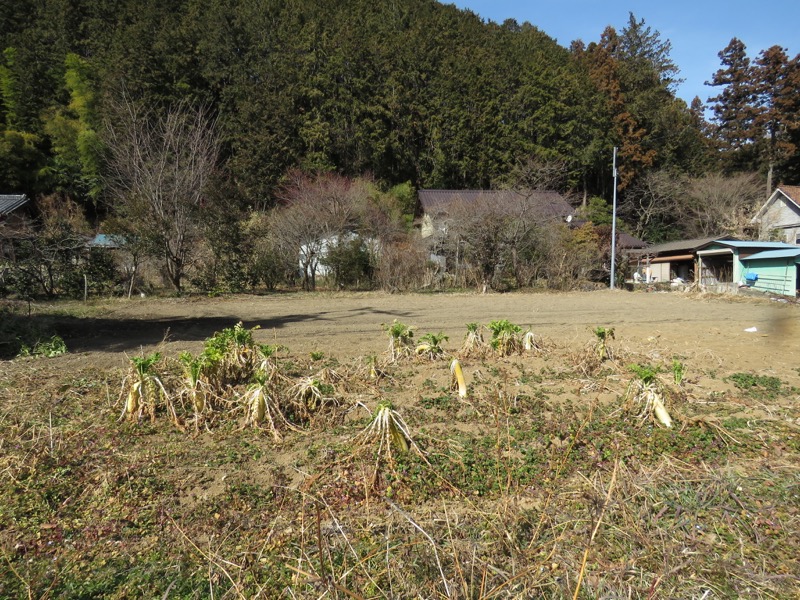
(670, 260)
(435, 205)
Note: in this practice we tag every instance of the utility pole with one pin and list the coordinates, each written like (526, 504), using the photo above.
(614, 223)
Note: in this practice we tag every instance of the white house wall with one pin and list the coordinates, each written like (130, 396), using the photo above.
(783, 216)
(322, 246)
(426, 230)
(660, 271)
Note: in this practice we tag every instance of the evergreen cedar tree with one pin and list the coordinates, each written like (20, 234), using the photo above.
(411, 90)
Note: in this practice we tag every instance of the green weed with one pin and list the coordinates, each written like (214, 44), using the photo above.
(678, 371)
(505, 337)
(54, 346)
(757, 386)
(603, 335)
(646, 373)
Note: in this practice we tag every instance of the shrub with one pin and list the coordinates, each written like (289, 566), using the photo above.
(54, 346)
(401, 266)
(350, 263)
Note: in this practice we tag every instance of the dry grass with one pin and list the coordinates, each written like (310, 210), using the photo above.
(541, 484)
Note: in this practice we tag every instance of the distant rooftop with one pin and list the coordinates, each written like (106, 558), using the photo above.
(549, 204)
(681, 245)
(103, 240)
(628, 242)
(752, 244)
(11, 202)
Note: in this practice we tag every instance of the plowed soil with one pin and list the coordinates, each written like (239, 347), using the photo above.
(711, 329)
(497, 494)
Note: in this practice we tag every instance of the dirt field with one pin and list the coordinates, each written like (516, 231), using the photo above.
(711, 329)
(552, 477)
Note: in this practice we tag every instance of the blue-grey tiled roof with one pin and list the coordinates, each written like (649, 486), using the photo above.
(549, 205)
(11, 202)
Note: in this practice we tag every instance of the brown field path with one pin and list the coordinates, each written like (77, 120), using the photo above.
(349, 324)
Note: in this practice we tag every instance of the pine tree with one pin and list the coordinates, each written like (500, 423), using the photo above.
(646, 56)
(776, 109)
(789, 105)
(734, 108)
(605, 72)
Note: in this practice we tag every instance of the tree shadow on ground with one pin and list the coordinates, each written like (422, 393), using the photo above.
(109, 334)
(119, 335)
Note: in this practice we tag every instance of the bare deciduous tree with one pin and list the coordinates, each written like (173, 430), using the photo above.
(401, 264)
(494, 235)
(316, 210)
(159, 168)
(716, 204)
(46, 256)
(650, 205)
(572, 256)
(536, 174)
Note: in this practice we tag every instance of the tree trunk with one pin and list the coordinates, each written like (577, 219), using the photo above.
(769, 178)
(585, 199)
(174, 272)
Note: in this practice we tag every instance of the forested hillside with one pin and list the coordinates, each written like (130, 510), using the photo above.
(404, 92)
(407, 90)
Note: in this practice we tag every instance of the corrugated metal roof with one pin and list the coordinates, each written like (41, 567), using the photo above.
(11, 202)
(549, 204)
(682, 246)
(771, 254)
(750, 244)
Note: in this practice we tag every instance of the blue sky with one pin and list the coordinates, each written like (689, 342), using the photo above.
(698, 30)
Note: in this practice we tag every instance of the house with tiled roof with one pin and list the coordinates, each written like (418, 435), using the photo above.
(12, 206)
(434, 205)
(14, 220)
(779, 218)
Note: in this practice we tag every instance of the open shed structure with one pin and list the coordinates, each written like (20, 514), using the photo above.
(724, 265)
(671, 260)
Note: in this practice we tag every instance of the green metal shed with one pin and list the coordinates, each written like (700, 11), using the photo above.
(777, 270)
(723, 265)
